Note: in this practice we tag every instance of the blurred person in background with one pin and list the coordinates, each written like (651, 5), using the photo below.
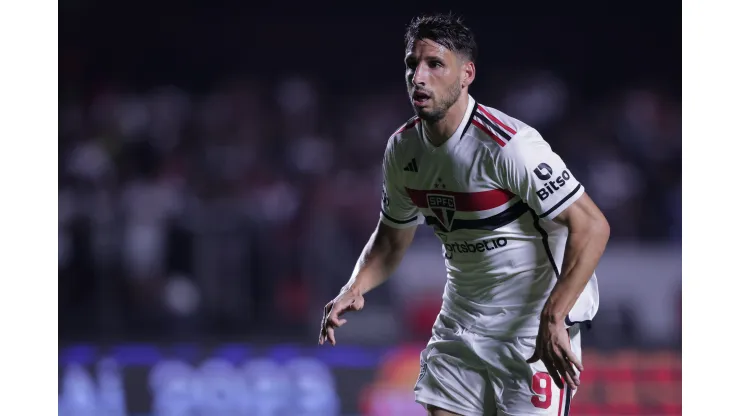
(521, 240)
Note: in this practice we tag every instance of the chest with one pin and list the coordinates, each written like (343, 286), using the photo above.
(461, 170)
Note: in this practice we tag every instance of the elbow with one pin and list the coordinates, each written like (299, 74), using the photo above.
(602, 229)
(594, 228)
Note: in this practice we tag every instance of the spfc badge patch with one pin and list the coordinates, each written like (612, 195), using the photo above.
(443, 207)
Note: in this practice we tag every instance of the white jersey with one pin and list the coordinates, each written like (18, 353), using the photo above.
(490, 192)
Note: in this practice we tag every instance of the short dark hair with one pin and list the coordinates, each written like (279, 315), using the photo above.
(445, 29)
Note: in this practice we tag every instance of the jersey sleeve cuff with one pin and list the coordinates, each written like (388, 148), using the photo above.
(395, 223)
(564, 203)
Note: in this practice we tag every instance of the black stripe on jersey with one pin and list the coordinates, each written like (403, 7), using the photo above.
(504, 135)
(562, 201)
(568, 394)
(391, 219)
(491, 223)
(586, 323)
(470, 120)
(545, 242)
(554, 265)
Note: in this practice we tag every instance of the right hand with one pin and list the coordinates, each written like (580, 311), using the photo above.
(343, 303)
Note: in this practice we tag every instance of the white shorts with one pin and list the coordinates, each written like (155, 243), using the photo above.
(476, 375)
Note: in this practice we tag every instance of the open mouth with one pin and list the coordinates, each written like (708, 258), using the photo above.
(420, 98)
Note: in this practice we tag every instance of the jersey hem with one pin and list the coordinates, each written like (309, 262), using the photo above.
(393, 223)
(470, 325)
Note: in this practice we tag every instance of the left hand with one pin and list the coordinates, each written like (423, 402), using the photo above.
(553, 348)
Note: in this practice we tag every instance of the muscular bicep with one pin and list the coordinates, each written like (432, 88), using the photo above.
(583, 215)
(395, 239)
(385, 249)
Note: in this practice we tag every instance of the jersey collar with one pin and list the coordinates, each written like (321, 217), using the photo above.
(456, 136)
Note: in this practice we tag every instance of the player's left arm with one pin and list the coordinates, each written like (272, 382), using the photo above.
(529, 167)
(588, 233)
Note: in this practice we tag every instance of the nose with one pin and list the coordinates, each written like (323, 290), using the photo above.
(419, 77)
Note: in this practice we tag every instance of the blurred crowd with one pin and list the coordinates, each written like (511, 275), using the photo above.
(243, 208)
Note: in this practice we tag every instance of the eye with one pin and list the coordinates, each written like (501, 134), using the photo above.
(435, 64)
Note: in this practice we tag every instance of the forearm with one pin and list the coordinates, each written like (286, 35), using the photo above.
(378, 260)
(583, 251)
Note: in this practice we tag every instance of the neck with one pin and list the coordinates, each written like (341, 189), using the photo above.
(439, 131)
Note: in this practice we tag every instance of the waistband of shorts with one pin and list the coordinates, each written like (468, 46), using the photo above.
(467, 323)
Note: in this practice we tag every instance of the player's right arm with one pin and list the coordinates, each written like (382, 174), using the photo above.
(382, 253)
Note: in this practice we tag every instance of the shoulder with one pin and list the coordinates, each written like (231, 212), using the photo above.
(493, 128)
(402, 137)
(413, 121)
(502, 133)
(498, 120)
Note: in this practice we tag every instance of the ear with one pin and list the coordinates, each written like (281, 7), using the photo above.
(468, 75)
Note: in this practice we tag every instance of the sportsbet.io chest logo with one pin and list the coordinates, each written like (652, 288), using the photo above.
(544, 172)
(465, 247)
(443, 208)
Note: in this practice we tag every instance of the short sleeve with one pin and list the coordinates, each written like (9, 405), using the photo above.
(529, 168)
(396, 208)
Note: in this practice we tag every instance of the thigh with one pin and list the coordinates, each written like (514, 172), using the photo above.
(526, 389)
(452, 377)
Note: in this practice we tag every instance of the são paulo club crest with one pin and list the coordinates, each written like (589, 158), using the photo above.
(443, 207)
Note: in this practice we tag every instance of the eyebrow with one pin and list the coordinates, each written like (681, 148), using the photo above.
(428, 58)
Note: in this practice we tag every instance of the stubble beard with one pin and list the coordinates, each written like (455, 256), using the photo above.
(439, 111)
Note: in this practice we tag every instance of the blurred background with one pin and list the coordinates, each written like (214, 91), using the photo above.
(219, 174)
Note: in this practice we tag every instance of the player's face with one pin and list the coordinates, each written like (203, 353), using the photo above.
(433, 75)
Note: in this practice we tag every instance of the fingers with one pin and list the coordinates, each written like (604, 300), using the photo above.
(561, 364)
(330, 336)
(322, 330)
(358, 304)
(569, 363)
(567, 372)
(573, 359)
(535, 357)
(558, 359)
(553, 373)
(332, 312)
(334, 320)
(571, 381)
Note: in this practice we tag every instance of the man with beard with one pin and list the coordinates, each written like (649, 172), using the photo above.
(521, 241)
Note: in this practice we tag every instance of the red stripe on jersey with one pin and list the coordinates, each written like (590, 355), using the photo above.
(408, 125)
(489, 133)
(464, 201)
(495, 120)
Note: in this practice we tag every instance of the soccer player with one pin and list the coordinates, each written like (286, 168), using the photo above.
(521, 240)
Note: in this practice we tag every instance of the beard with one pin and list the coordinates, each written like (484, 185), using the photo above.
(441, 106)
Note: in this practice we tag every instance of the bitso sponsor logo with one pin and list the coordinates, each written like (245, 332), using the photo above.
(552, 186)
(543, 171)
